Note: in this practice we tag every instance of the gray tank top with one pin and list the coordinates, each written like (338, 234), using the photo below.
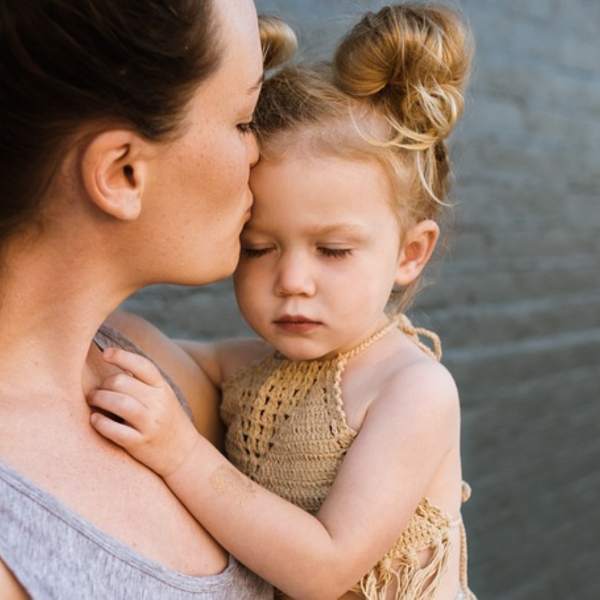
(58, 555)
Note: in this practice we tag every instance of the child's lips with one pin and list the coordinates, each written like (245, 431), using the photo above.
(296, 324)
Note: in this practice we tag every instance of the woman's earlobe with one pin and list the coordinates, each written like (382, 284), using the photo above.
(419, 244)
(113, 173)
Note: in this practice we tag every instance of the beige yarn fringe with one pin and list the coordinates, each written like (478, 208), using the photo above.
(400, 572)
(410, 580)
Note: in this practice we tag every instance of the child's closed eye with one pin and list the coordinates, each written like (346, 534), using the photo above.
(335, 252)
(255, 252)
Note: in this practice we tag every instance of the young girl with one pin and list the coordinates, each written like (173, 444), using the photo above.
(340, 409)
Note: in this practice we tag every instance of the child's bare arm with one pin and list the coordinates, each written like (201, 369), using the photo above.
(384, 475)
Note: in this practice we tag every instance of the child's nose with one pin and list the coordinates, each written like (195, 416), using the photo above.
(294, 277)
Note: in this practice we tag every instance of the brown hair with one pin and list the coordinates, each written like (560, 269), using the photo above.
(393, 94)
(67, 63)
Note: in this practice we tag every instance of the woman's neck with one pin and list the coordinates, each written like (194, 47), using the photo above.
(50, 308)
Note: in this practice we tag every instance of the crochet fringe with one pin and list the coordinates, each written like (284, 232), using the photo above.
(410, 580)
(400, 573)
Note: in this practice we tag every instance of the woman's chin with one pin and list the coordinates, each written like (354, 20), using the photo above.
(226, 267)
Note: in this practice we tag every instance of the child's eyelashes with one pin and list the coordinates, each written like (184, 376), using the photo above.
(255, 252)
(322, 250)
(335, 252)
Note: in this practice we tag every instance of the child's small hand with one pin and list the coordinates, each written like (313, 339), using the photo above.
(154, 429)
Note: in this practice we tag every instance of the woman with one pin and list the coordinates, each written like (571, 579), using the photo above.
(124, 160)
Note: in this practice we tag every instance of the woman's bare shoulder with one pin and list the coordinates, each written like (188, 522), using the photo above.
(10, 589)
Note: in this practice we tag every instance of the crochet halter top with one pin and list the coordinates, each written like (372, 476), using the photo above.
(287, 430)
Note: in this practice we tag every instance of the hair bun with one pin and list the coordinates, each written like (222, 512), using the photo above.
(278, 40)
(413, 62)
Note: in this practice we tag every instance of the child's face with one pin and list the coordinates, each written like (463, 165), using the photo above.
(319, 255)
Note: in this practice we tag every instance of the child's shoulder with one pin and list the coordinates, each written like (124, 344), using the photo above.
(418, 387)
(407, 378)
(398, 380)
(239, 353)
(425, 377)
(413, 410)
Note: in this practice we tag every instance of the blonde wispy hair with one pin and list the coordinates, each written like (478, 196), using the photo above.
(393, 93)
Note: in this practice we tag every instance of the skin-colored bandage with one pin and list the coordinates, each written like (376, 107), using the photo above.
(231, 484)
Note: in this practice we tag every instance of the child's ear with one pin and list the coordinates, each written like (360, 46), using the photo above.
(114, 173)
(419, 244)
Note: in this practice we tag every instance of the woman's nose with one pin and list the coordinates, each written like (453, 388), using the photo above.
(252, 149)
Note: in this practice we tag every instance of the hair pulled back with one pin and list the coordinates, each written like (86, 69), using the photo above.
(65, 64)
(394, 92)
(412, 63)
(278, 40)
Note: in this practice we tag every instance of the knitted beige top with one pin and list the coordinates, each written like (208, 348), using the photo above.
(286, 430)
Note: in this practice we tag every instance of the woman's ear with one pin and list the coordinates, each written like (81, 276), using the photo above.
(114, 173)
(419, 244)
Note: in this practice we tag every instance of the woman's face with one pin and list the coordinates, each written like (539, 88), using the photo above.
(198, 194)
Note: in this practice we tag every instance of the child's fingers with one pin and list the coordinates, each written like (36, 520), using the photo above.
(155, 398)
(119, 433)
(127, 385)
(139, 366)
(125, 407)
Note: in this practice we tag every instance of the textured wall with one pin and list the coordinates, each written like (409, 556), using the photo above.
(517, 295)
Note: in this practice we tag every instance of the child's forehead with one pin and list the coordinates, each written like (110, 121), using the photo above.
(315, 182)
(336, 227)
(305, 159)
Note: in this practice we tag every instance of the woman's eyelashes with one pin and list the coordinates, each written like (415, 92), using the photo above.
(247, 127)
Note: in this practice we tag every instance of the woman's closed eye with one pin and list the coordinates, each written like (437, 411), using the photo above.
(246, 128)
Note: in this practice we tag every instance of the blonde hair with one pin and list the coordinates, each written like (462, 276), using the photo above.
(393, 93)
(278, 41)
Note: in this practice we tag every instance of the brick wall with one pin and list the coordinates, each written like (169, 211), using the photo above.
(516, 296)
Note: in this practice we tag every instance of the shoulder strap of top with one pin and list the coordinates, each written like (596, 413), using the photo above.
(414, 334)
